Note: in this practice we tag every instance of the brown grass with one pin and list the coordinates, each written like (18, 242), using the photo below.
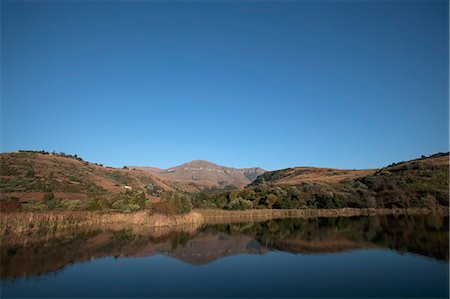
(27, 223)
(48, 223)
(322, 175)
(190, 178)
(223, 216)
(70, 177)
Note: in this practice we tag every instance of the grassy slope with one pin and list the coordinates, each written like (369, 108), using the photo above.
(401, 184)
(297, 175)
(417, 183)
(411, 181)
(30, 175)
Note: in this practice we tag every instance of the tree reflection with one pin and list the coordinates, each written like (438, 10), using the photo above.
(424, 235)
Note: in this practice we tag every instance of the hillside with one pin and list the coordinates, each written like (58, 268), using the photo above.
(27, 176)
(200, 174)
(32, 177)
(417, 183)
(297, 175)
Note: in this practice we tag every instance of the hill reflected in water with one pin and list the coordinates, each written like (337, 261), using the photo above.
(423, 235)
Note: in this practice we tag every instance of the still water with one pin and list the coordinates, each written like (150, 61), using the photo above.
(382, 256)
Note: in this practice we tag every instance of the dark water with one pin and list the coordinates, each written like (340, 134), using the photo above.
(401, 256)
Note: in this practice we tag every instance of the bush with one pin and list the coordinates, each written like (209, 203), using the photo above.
(164, 208)
(70, 204)
(173, 203)
(153, 189)
(93, 205)
(270, 200)
(50, 201)
(129, 201)
(240, 204)
(34, 206)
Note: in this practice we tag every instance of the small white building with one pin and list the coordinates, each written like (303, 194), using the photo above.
(128, 187)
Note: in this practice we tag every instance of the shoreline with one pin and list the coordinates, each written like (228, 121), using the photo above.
(15, 224)
(220, 216)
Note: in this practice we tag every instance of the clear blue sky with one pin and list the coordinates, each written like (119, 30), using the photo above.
(351, 84)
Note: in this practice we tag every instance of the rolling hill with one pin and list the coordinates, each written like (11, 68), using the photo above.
(432, 167)
(297, 175)
(29, 175)
(420, 182)
(200, 174)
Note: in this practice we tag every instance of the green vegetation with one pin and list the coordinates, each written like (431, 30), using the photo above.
(417, 183)
(413, 184)
(424, 235)
(266, 196)
(61, 154)
(172, 203)
(128, 201)
(123, 202)
(427, 235)
(153, 189)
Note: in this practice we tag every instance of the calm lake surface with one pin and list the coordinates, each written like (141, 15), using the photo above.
(382, 256)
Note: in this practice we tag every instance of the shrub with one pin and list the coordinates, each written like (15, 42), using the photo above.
(153, 189)
(70, 204)
(50, 201)
(173, 203)
(34, 206)
(129, 201)
(164, 208)
(270, 200)
(132, 208)
(93, 205)
(240, 204)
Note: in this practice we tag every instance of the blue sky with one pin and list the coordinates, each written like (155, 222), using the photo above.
(350, 84)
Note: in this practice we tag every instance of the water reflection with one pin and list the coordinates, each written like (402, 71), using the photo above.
(424, 235)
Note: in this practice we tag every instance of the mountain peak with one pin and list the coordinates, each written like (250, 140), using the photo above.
(206, 174)
(198, 162)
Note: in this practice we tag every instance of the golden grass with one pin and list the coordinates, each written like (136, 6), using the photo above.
(222, 216)
(20, 223)
(323, 175)
(50, 223)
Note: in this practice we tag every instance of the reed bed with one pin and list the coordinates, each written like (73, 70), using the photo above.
(51, 222)
(28, 223)
(222, 216)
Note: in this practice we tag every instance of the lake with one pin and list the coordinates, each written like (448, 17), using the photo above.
(377, 256)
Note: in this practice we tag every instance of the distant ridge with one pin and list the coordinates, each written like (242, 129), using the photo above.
(201, 174)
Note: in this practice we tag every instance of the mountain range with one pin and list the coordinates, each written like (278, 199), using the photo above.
(26, 176)
(200, 174)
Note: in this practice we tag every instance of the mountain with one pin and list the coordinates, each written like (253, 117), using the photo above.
(200, 174)
(29, 175)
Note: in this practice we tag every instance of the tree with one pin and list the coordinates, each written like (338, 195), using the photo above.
(271, 199)
(233, 195)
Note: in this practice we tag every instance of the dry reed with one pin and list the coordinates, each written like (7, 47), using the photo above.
(222, 216)
(41, 222)
(20, 223)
